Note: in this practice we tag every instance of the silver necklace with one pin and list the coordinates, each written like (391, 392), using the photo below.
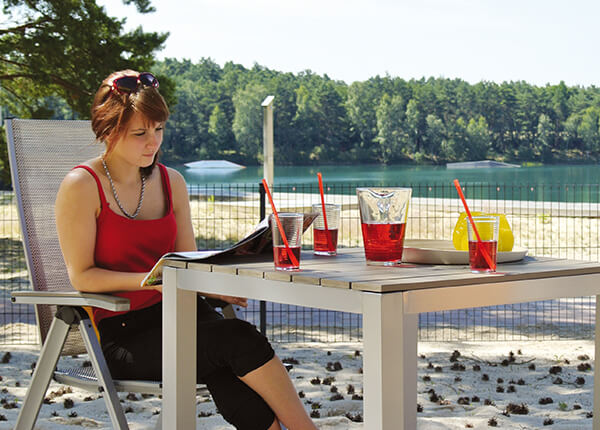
(114, 191)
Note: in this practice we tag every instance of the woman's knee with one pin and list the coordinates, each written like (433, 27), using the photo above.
(249, 348)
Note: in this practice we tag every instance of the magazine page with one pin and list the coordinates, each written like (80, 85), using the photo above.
(154, 277)
(257, 242)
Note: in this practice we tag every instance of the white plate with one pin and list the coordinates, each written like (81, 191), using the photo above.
(424, 251)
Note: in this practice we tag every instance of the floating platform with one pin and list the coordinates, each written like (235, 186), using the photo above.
(483, 164)
(213, 164)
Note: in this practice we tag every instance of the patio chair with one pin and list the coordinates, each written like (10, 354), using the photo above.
(41, 153)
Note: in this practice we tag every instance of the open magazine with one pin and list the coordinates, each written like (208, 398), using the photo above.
(259, 241)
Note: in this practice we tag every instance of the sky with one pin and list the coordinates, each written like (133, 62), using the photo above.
(538, 41)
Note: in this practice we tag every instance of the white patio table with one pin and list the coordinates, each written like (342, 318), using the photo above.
(390, 300)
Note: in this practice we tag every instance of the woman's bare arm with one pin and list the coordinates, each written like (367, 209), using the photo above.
(77, 205)
(185, 240)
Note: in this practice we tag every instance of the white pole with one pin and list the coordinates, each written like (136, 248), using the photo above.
(268, 170)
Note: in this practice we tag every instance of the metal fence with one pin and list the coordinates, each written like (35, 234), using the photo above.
(550, 220)
(15, 320)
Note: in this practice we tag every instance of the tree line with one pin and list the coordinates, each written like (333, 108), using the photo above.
(386, 119)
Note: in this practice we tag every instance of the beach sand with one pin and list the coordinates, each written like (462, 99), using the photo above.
(450, 399)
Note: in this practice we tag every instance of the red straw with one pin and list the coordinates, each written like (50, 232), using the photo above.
(327, 235)
(280, 227)
(488, 259)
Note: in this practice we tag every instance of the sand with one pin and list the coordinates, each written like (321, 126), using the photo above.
(570, 407)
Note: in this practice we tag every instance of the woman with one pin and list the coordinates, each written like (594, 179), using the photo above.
(116, 215)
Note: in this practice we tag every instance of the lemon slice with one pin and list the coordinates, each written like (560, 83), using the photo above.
(506, 239)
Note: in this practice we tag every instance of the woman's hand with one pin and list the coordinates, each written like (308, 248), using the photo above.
(239, 301)
(157, 287)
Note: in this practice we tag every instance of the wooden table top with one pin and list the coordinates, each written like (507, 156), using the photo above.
(349, 270)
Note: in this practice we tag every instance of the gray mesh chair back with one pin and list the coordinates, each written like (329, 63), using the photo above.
(41, 153)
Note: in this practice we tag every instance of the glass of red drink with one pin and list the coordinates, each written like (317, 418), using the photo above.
(487, 227)
(292, 227)
(383, 214)
(325, 240)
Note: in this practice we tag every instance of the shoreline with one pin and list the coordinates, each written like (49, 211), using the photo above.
(289, 199)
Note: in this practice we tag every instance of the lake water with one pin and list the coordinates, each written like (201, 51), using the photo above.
(394, 175)
(576, 183)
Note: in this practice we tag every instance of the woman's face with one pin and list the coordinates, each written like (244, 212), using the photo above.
(140, 142)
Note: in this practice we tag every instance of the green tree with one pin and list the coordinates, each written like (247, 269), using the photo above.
(560, 98)
(65, 48)
(186, 133)
(362, 99)
(571, 127)
(589, 129)
(390, 117)
(478, 138)
(220, 134)
(457, 139)
(5, 179)
(527, 111)
(247, 122)
(435, 135)
(284, 113)
(334, 125)
(415, 126)
(545, 138)
(306, 125)
(55, 53)
(320, 122)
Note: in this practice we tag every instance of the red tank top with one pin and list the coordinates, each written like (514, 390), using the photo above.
(131, 245)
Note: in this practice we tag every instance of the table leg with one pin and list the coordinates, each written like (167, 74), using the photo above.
(179, 355)
(596, 424)
(390, 363)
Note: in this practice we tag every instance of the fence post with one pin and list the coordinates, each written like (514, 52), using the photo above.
(268, 172)
(263, 213)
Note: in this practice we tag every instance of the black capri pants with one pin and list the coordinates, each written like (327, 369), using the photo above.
(226, 350)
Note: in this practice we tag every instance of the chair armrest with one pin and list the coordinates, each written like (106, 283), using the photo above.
(71, 298)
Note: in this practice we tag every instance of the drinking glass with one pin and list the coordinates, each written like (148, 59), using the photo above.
(487, 227)
(383, 213)
(325, 241)
(292, 227)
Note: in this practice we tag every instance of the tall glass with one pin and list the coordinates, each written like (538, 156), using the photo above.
(325, 240)
(487, 227)
(383, 214)
(292, 226)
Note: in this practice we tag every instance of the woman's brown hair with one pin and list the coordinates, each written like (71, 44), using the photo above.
(111, 112)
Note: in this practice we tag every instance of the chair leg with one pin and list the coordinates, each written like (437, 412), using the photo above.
(42, 373)
(103, 374)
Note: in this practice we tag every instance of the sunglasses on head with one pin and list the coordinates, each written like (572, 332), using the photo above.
(130, 83)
